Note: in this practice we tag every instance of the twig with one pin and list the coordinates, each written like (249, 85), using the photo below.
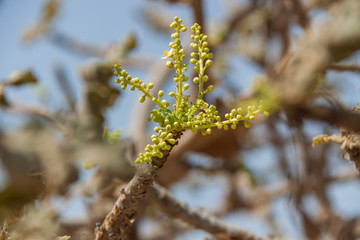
(344, 67)
(198, 219)
(65, 86)
(118, 222)
(339, 117)
(76, 46)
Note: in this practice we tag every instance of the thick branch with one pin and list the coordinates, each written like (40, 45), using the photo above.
(198, 219)
(117, 223)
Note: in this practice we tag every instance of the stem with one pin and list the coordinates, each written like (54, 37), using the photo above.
(147, 94)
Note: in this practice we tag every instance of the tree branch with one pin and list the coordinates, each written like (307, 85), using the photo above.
(117, 223)
(198, 219)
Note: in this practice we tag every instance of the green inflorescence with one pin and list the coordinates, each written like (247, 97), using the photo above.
(183, 115)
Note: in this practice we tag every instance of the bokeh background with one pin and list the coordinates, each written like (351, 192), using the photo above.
(101, 24)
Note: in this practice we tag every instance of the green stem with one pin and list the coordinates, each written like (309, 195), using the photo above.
(147, 94)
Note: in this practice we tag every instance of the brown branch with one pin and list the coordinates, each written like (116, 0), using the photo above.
(339, 117)
(118, 222)
(344, 67)
(75, 46)
(198, 219)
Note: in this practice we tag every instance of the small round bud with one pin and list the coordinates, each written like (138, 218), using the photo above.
(117, 80)
(210, 88)
(196, 80)
(227, 116)
(252, 117)
(172, 94)
(193, 61)
(174, 35)
(194, 54)
(132, 89)
(168, 127)
(172, 141)
(186, 86)
(154, 99)
(208, 131)
(204, 38)
(156, 129)
(194, 46)
(124, 73)
(233, 126)
(142, 99)
(183, 29)
(169, 64)
(247, 124)
(208, 63)
(205, 78)
(161, 93)
(150, 85)
(266, 114)
(174, 25)
(226, 127)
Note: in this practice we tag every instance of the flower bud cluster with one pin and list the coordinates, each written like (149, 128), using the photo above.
(177, 54)
(201, 58)
(184, 115)
(125, 79)
(163, 141)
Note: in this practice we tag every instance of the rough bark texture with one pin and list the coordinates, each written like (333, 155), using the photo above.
(117, 223)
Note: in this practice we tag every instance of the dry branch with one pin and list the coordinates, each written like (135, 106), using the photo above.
(117, 223)
(198, 219)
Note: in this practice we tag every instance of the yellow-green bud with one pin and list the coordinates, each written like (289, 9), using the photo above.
(150, 85)
(174, 25)
(205, 78)
(142, 99)
(169, 64)
(210, 88)
(161, 93)
(208, 63)
(174, 35)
